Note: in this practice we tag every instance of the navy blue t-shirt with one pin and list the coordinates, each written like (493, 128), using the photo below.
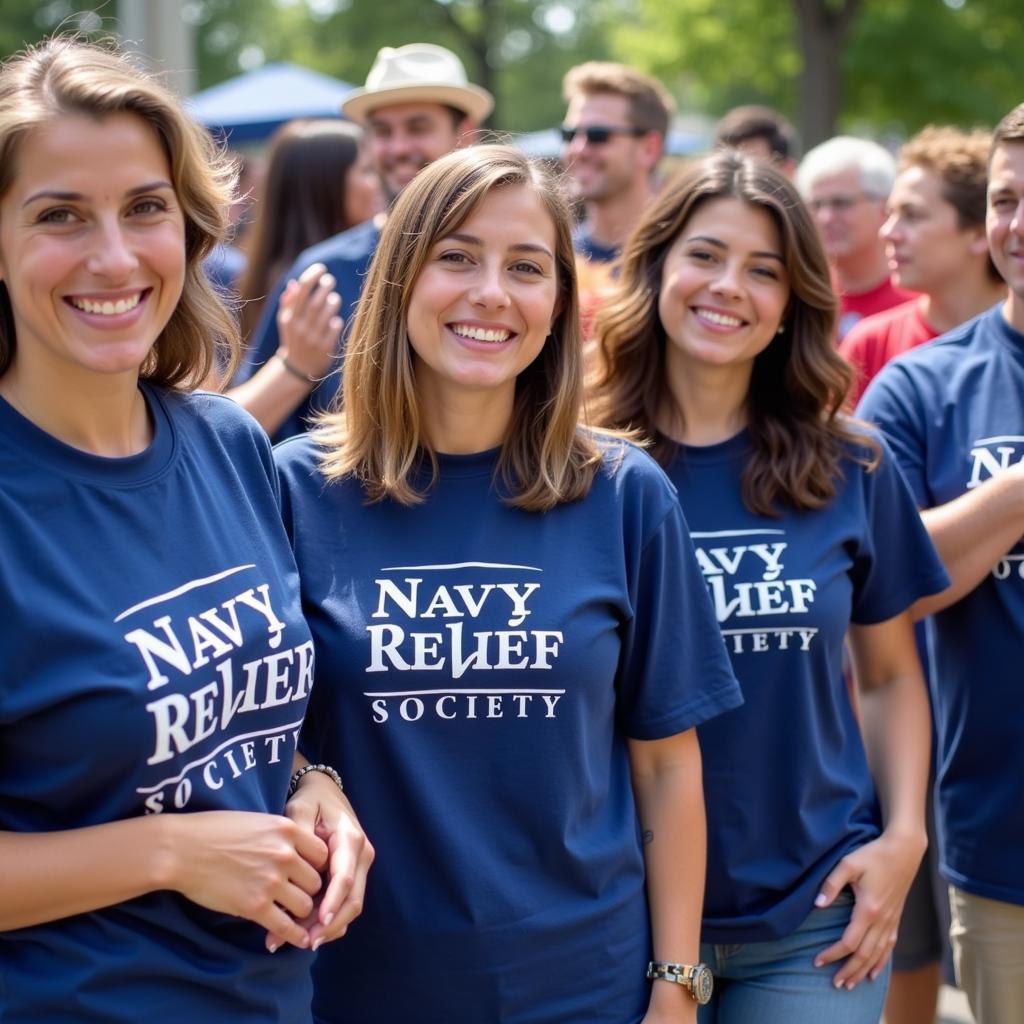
(155, 660)
(594, 251)
(953, 411)
(347, 256)
(786, 780)
(479, 669)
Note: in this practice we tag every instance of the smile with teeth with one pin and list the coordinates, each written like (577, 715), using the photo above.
(480, 333)
(722, 319)
(107, 307)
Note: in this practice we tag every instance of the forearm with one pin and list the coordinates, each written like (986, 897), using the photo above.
(45, 876)
(971, 533)
(670, 803)
(271, 395)
(897, 736)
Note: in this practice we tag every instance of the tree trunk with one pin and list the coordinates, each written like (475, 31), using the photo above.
(823, 26)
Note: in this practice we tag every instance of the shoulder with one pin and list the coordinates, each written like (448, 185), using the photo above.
(353, 248)
(208, 410)
(873, 330)
(634, 480)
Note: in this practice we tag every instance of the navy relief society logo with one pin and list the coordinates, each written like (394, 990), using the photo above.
(989, 457)
(745, 575)
(215, 716)
(429, 618)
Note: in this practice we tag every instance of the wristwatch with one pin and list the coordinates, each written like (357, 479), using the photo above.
(695, 978)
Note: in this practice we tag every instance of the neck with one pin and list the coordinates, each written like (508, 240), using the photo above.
(467, 422)
(704, 405)
(609, 221)
(960, 300)
(104, 415)
(1013, 311)
(862, 271)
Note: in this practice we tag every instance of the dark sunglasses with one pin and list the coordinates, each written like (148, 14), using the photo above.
(598, 134)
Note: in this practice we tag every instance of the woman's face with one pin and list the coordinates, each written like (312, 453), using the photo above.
(92, 245)
(483, 304)
(724, 287)
(364, 196)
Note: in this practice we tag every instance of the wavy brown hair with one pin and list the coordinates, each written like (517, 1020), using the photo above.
(377, 434)
(798, 384)
(303, 202)
(66, 77)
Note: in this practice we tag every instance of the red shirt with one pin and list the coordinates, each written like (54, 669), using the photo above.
(855, 307)
(879, 338)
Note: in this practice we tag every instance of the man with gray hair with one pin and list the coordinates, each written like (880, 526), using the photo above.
(846, 182)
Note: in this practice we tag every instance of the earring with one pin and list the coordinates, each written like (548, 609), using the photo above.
(781, 328)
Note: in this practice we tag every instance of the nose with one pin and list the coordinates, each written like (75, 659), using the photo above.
(488, 290)
(727, 281)
(1017, 221)
(112, 255)
(890, 228)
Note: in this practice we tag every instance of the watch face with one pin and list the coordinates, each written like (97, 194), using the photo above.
(703, 984)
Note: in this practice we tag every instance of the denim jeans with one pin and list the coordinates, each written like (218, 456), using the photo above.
(777, 983)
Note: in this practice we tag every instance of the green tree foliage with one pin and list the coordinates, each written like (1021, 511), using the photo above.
(905, 63)
(22, 22)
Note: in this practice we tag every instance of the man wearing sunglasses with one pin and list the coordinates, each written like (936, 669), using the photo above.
(613, 137)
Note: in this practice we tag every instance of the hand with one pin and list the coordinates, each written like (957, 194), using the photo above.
(263, 867)
(880, 873)
(670, 1004)
(308, 322)
(321, 809)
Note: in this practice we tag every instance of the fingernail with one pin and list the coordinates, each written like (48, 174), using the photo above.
(819, 900)
(328, 918)
(817, 963)
(837, 983)
(273, 947)
(849, 986)
(316, 945)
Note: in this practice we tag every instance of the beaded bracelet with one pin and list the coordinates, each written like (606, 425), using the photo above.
(294, 370)
(324, 769)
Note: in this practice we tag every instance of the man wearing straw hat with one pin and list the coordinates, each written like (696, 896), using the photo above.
(417, 105)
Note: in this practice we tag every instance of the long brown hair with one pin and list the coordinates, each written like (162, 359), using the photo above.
(798, 383)
(376, 435)
(67, 77)
(302, 203)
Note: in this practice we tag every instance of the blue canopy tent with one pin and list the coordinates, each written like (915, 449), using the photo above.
(249, 108)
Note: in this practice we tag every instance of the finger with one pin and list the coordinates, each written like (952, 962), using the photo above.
(848, 942)
(864, 958)
(879, 965)
(281, 929)
(311, 848)
(295, 900)
(840, 877)
(329, 312)
(307, 874)
(343, 900)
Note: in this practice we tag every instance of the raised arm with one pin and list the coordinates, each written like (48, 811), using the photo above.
(972, 532)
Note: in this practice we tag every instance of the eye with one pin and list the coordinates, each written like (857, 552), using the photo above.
(701, 255)
(526, 267)
(148, 205)
(58, 215)
(453, 256)
(768, 272)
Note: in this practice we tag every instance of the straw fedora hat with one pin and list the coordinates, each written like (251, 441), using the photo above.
(417, 73)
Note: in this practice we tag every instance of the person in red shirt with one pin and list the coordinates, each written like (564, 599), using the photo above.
(846, 182)
(934, 239)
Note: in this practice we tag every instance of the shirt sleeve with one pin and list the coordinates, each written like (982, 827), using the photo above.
(674, 672)
(891, 404)
(896, 563)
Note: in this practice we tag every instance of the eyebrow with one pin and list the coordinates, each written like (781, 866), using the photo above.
(71, 197)
(718, 244)
(531, 247)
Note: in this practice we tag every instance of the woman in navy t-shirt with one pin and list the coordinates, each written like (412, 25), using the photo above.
(156, 665)
(717, 346)
(513, 639)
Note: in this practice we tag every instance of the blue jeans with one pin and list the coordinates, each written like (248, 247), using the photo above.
(777, 983)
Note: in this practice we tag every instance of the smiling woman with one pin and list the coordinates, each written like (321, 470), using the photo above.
(144, 573)
(513, 642)
(718, 346)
